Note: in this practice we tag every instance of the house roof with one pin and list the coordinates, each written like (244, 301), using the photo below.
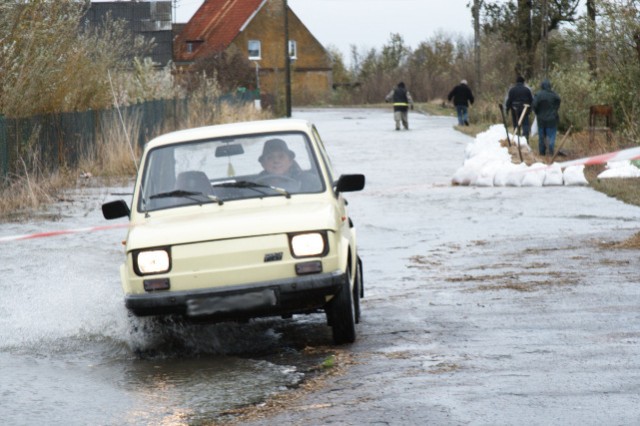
(218, 22)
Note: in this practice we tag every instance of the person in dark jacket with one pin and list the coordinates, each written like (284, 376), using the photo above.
(401, 102)
(545, 105)
(462, 98)
(519, 96)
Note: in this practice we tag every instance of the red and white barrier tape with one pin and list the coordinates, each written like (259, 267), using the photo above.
(609, 157)
(61, 232)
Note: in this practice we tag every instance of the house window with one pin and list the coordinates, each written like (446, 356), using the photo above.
(254, 49)
(293, 49)
(192, 45)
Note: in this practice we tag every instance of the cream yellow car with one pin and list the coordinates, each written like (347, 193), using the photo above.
(239, 221)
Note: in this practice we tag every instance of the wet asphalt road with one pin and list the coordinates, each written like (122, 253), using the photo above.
(484, 306)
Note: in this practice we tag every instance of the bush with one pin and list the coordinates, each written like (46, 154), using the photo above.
(48, 63)
(578, 91)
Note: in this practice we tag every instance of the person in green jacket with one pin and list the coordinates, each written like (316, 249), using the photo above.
(545, 105)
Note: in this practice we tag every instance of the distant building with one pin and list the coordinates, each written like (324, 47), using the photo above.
(256, 28)
(150, 19)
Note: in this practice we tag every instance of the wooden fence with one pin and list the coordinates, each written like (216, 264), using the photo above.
(63, 139)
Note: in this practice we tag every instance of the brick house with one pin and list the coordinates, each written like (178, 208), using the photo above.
(256, 28)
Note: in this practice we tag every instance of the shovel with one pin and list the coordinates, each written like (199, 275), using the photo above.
(564, 138)
(504, 121)
(519, 129)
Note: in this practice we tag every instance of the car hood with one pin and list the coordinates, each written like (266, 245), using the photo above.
(212, 222)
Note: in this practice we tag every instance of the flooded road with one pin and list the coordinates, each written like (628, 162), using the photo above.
(482, 306)
(69, 353)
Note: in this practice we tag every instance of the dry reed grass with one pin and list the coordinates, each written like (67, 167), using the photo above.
(116, 152)
(222, 113)
(27, 193)
(115, 155)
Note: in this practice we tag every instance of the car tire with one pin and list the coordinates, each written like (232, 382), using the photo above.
(340, 314)
(358, 291)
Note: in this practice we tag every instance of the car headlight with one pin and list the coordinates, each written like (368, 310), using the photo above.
(309, 244)
(154, 261)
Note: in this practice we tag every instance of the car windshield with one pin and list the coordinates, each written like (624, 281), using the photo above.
(227, 169)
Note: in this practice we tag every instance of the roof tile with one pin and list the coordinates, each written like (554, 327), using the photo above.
(217, 22)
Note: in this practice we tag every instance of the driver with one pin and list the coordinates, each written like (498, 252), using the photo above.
(278, 161)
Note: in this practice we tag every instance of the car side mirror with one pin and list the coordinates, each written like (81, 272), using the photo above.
(350, 183)
(115, 209)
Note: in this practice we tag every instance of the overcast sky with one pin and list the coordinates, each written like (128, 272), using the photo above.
(369, 23)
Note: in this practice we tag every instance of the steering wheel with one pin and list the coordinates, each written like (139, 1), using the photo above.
(281, 181)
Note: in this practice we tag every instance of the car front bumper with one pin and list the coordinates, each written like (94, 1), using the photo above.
(270, 298)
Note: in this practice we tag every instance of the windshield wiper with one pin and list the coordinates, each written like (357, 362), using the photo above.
(181, 193)
(255, 186)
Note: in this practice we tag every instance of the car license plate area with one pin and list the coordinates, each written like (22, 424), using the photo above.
(231, 303)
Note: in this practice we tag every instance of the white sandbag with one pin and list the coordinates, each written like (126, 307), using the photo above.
(534, 176)
(515, 175)
(464, 176)
(574, 175)
(534, 127)
(500, 178)
(553, 176)
(471, 169)
(488, 173)
(502, 175)
(620, 169)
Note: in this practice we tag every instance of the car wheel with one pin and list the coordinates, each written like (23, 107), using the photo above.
(340, 315)
(357, 291)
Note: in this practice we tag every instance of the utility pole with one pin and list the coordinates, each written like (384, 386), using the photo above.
(476, 42)
(287, 61)
(174, 11)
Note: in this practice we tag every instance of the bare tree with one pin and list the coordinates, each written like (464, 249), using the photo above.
(524, 40)
(544, 37)
(514, 22)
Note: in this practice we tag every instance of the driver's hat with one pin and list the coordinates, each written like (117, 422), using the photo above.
(273, 145)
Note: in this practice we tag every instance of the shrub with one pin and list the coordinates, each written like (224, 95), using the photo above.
(578, 91)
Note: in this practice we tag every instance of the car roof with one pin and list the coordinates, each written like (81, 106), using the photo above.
(222, 130)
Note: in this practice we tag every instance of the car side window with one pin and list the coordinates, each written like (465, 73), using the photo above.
(324, 155)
